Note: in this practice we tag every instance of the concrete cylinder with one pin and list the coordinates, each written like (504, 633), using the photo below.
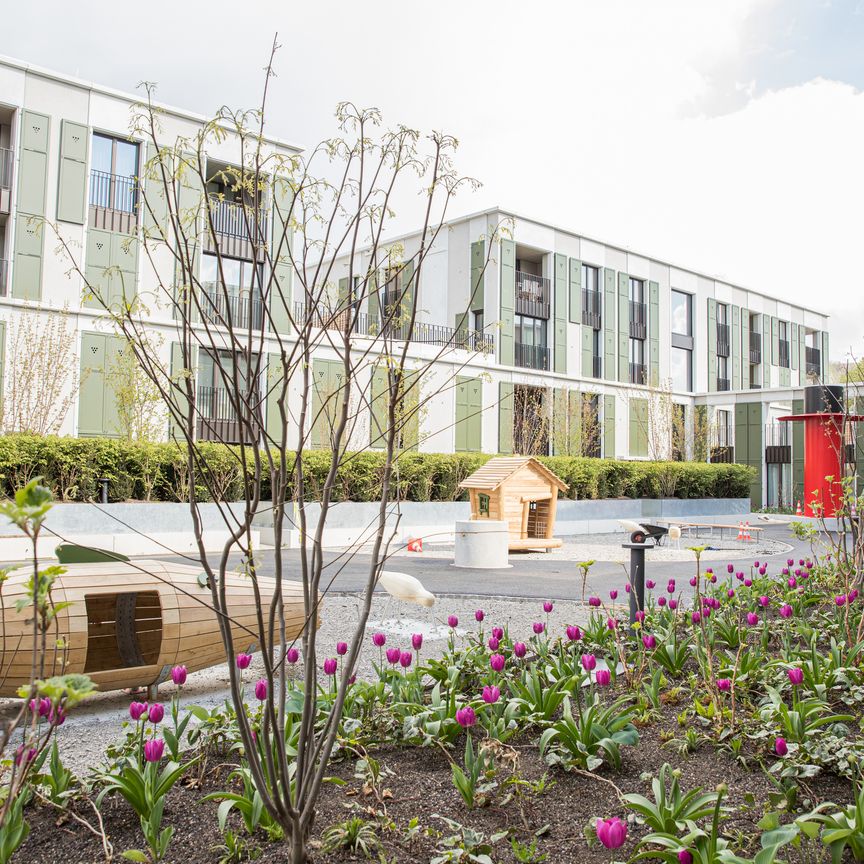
(481, 544)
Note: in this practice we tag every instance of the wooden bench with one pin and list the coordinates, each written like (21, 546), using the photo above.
(689, 526)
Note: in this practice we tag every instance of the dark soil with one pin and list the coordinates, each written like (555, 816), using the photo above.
(420, 787)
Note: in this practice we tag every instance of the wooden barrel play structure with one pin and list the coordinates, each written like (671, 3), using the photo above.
(128, 624)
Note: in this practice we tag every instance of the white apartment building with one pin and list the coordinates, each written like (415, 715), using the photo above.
(562, 344)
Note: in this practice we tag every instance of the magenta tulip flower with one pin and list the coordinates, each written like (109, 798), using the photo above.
(748, 581)
(673, 603)
(491, 694)
(496, 661)
(479, 615)
(42, 707)
(661, 601)
(57, 717)
(417, 641)
(589, 662)
(649, 642)
(519, 649)
(724, 684)
(156, 713)
(547, 607)
(603, 677)
(730, 568)
(840, 600)
(613, 594)
(137, 710)
(243, 660)
(752, 619)
(764, 601)
(453, 622)
(393, 655)
(538, 627)
(785, 611)
(341, 648)
(611, 832)
(594, 601)
(852, 596)
(649, 584)
(405, 659)
(574, 634)
(640, 615)
(730, 593)
(330, 666)
(780, 747)
(792, 582)
(493, 643)
(178, 675)
(261, 690)
(466, 717)
(498, 633)
(23, 756)
(292, 655)
(153, 749)
(796, 676)
(692, 581)
(379, 640)
(685, 857)
(695, 617)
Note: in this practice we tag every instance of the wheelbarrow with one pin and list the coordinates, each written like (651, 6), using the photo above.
(646, 532)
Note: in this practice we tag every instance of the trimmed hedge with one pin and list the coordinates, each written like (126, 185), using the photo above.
(146, 471)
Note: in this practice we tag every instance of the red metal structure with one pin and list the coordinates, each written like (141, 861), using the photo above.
(824, 448)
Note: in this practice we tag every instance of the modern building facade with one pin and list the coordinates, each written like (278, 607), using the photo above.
(561, 344)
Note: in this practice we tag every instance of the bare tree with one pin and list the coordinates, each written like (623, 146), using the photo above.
(41, 379)
(329, 209)
(140, 410)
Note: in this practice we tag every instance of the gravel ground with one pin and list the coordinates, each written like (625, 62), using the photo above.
(95, 724)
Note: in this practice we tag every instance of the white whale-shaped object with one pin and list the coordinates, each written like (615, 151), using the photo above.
(405, 587)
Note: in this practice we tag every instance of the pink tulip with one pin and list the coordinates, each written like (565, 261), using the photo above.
(538, 627)
(574, 634)
(137, 710)
(498, 633)
(603, 677)
(780, 747)
(724, 684)
(341, 648)
(611, 832)
(693, 581)
(661, 601)
(589, 662)
(393, 655)
(785, 611)
(649, 584)
(491, 694)
(479, 615)
(156, 713)
(695, 617)
(685, 857)
(153, 749)
(405, 659)
(519, 649)
(453, 621)
(493, 643)
(640, 615)
(243, 660)
(417, 641)
(649, 641)
(796, 676)
(466, 717)
(292, 655)
(752, 619)
(594, 601)
(547, 606)
(330, 666)
(261, 690)
(613, 594)
(748, 581)
(178, 675)
(730, 568)
(673, 603)
(764, 601)
(379, 640)
(496, 661)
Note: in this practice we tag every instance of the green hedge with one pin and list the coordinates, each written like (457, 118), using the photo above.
(157, 472)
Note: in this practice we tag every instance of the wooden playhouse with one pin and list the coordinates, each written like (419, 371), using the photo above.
(520, 491)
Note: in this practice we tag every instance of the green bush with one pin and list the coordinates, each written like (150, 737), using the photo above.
(147, 471)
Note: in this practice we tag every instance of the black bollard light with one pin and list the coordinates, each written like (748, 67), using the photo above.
(103, 491)
(637, 577)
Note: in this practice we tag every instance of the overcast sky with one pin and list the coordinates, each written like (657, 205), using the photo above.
(723, 135)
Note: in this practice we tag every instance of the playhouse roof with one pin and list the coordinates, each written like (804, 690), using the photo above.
(500, 468)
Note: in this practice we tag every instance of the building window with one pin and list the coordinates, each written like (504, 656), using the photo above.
(235, 296)
(637, 290)
(682, 313)
(637, 361)
(483, 505)
(478, 320)
(590, 278)
(722, 372)
(596, 354)
(591, 305)
(113, 174)
(681, 368)
(531, 351)
(784, 344)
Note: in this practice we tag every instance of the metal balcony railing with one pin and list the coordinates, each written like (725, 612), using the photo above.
(591, 308)
(813, 357)
(723, 384)
(755, 347)
(4, 277)
(363, 324)
(222, 308)
(778, 443)
(216, 416)
(113, 192)
(532, 356)
(532, 295)
(7, 160)
(596, 367)
(638, 373)
(722, 435)
(722, 340)
(784, 353)
(232, 219)
(638, 320)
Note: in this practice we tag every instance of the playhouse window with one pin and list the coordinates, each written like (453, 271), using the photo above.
(483, 505)
(123, 630)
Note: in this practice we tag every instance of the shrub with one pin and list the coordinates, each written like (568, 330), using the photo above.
(157, 471)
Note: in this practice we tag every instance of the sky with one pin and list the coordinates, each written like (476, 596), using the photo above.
(722, 136)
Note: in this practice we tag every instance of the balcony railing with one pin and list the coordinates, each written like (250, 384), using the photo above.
(722, 435)
(638, 320)
(723, 384)
(532, 295)
(221, 308)
(813, 357)
(596, 367)
(217, 418)
(363, 324)
(722, 340)
(778, 444)
(232, 219)
(532, 356)
(755, 347)
(4, 277)
(638, 373)
(591, 306)
(784, 353)
(7, 160)
(113, 192)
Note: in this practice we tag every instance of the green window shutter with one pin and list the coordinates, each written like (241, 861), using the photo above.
(280, 253)
(654, 333)
(91, 391)
(477, 288)
(775, 341)
(609, 337)
(742, 448)
(475, 414)
(587, 351)
(180, 375)
(33, 163)
(755, 431)
(609, 427)
(97, 268)
(574, 430)
(461, 421)
(824, 358)
(735, 348)
(27, 272)
(273, 419)
(72, 184)
(343, 296)
(115, 347)
(506, 337)
(505, 417)
(623, 328)
(378, 407)
(712, 344)
(793, 347)
(407, 287)
(468, 414)
(638, 427)
(327, 383)
(560, 358)
(575, 291)
(374, 304)
(409, 415)
(154, 205)
(124, 263)
(560, 439)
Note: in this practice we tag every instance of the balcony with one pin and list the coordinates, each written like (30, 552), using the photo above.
(755, 347)
(233, 223)
(723, 384)
(638, 374)
(813, 359)
(4, 277)
(784, 353)
(638, 320)
(532, 356)
(596, 367)
(722, 340)
(224, 308)
(7, 161)
(532, 295)
(216, 416)
(113, 202)
(778, 444)
(591, 306)
(363, 324)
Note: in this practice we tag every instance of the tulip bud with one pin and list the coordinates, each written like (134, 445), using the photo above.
(292, 655)
(178, 675)
(519, 649)
(243, 661)
(330, 666)
(417, 641)
(153, 749)
(261, 690)
(341, 648)
(156, 713)
(496, 661)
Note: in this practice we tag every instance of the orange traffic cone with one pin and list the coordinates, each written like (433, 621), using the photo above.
(747, 531)
(415, 544)
(798, 509)
(740, 531)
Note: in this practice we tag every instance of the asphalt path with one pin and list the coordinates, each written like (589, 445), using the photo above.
(535, 577)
